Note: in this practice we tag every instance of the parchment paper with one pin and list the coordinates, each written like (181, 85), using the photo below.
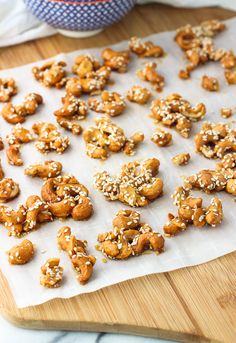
(189, 248)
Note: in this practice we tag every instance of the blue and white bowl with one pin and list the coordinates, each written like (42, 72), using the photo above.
(86, 16)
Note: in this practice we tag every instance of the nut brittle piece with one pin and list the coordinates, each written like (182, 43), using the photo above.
(161, 137)
(150, 74)
(174, 111)
(129, 237)
(111, 103)
(136, 185)
(21, 253)
(107, 136)
(77, 252)
(145, 49)
(44, 170)
(215, 140)
(49, 138)
(8, 89)
(15, 114)
(116, 60)
(139, 94)
(51, 74)
(51, 273)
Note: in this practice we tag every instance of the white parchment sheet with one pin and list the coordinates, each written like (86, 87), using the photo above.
(189, 248)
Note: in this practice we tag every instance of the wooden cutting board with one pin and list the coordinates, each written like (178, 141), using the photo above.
(191, 304)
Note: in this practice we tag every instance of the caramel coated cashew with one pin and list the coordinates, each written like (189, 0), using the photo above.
(116, 60)
(149, 73)
(210, 83)
(181, 159)
(139, 94)
(15, 114)
(85, 64)
(51, 273)
(21, 253)
(214, 212)
(1, 171)
(49, 138)
(231, 187)
(76, 249)
(44, 170)
(19, 135)
(14, 155)
(94, 82)
(51, 74)
(9, 190)
(70, 125)
(72, 107)
(174, 111)
(226, 112)
(8, 89)
(145, 49)
(129, 237)
(111, 103)
(161, 137)
(136, 185)
(73, 86)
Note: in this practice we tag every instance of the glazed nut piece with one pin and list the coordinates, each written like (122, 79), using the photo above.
(174, 111)
(95, 81)
(214, 212)
(77, 252)
(181, 159)
(226, 112)
(111, 103)
(26, 217)
(9, 190)
(129, 237)
(149, 74)
(73, 86)
(227, 162)
(136, 185)
(21, 253)
(1, 144)
(15, 114)
(145, 49)
(231, 186)
(1, 171)
(85, 64)
(210, 83)
(72, 107)
(51, 273)
(14, 155)
(116, 60)
(161, 137)
(49, 138)
(215, 140)
(51, 74)
(8, 89)
(44, 170)
(139, 94)
(66, 196)
(197, 42)
(107, 136)
(19, 135)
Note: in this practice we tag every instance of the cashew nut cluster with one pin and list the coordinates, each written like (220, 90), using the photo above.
(8, 89)
(44, 170)
(161, 137)
(15, 114)
(111, 103)
(210, 83)
(51, 74)
(181, 159)
(49, 138)
(9, 190)
(21, 253)
(116, 60)
(18, 136)
(26, 217)
(192, 212)
(73, 109)
(145, 49)
(76, 249)
(174, 111)
(139, 94)
(66, 196)
(107, 136)
(129, 237)
(149, 74)
(51, 273)
(92, 77)
(215, 139)
(136, 185)
(197, 42)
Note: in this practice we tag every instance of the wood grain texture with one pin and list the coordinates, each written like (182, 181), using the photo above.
(191, 304)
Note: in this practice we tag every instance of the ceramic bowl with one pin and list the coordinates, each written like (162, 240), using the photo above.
(78, 17)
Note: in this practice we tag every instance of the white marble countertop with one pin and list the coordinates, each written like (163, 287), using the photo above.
(11, 334)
